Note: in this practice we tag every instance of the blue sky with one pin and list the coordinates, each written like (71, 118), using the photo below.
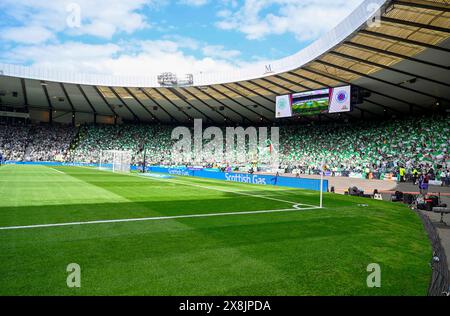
(142, 37)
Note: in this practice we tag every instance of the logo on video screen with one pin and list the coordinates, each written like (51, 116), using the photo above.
(282, 104)
(341, 97)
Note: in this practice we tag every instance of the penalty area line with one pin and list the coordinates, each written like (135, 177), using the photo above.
(241, 192)
(159, 218)
(59, 171)
(182, 182)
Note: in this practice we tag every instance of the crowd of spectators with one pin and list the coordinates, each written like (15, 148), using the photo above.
(92, 140)
(369, 146)
(399, 146)
(35, 142)
(49, 143)
(13, 141)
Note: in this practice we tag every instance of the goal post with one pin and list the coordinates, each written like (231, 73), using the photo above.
(115, 160)
(322, 171)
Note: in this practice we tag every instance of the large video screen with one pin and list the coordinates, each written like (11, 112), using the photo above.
(311, 102)
(329, 100)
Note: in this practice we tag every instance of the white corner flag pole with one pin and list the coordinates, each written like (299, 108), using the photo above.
(321, 185)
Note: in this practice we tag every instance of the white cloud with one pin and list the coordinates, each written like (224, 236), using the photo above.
(195, 3)
(137, 58)
(100, 18)
(37, 41)
(306, 19)
(70, 56)
(26, 34)
(220, 52)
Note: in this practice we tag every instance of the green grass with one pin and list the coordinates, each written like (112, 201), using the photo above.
(306, 252)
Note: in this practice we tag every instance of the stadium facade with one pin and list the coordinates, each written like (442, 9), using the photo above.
(396, 51)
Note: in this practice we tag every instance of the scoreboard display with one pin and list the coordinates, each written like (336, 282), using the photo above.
(329, 100)
(311, 102)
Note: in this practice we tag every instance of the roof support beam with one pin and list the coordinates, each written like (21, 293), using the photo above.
(87, 99)
(176, 106)
(141, 104)
(404, 40)
(237, 102)
(67, 96)
(389, 53)
(364, 61)
(268, 89)
(247, 98)
(255, 92)
(310, 79)
(70, 102)
(106, 101)
(378, 79)
(292, 82)
(47, 97)
(159, 105)
(206, 104)
(185, 100)
(371, 91)
(24, 91)
(136, 118)
(415, 24)
(423, 5)
(277, 85)
(65, 111)
(244, 118)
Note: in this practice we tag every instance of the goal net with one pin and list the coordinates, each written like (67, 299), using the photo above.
(115, 160)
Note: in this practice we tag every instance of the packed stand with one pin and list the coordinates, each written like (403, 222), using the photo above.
(13, 142)
(35, 142)
(405, 146)
(376, 147)
(151, 141)
(49, 143)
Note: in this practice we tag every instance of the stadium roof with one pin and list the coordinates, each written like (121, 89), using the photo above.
(401, 56)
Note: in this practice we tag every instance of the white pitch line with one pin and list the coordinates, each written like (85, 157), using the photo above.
(59, 171)
(217, 189)
(228, 191)
(156, 218)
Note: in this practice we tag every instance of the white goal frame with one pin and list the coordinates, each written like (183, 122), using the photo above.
(115, 160)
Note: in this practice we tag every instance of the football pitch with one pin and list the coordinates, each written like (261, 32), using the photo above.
(135, 235)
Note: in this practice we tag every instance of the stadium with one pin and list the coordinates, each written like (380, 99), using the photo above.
(339, 185)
